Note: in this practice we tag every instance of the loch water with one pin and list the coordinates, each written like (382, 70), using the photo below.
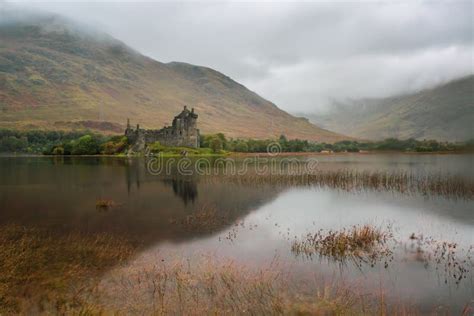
(262, 220)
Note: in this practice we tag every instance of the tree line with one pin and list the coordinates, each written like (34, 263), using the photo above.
(89, 143)
(219, 142)
(60, 142)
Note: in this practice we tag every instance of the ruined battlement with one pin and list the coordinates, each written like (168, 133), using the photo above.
(182, 133)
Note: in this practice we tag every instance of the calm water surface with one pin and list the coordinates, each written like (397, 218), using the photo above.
(62, 193)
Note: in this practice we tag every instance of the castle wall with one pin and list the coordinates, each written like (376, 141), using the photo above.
(182, 133)
(170, 137)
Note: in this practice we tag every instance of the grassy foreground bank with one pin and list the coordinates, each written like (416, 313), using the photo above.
(45, 272)
(42, 270)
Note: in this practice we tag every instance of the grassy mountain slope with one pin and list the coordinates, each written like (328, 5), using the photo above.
(56, 76)
(445, 112)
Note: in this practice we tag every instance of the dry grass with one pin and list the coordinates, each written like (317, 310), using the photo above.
(211, 287)
(38, 267)
(48, 273)
(448, 186)
(369, 245)
(75, 90)
(43, 272)
(360, 244)
(452, 262)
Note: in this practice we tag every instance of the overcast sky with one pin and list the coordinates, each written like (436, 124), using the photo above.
(299, 55)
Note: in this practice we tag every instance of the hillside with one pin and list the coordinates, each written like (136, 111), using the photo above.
(54, 75)
(445, 112)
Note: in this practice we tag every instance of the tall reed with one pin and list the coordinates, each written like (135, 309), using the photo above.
(449, 186)
(359, 244)
(210, 286)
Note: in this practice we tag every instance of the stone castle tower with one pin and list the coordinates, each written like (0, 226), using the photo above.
(182, 133)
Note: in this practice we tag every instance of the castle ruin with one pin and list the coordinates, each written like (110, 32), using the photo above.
(182, 133)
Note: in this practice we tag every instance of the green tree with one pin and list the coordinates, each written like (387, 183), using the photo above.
(283, 142)
(241, 146)
(223, 140)
(115, 145)
(216, 144)
(14, 144)
(353, 148)
(86, 145)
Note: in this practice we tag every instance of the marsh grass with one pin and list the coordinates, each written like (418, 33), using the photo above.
(38, 266)
(208, 286)
(359, 244)
(48, 273)
(45, 272)
(368, 245)
(452, 262)
(449, 186)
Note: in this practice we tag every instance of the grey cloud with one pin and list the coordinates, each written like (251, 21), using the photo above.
(298, 55)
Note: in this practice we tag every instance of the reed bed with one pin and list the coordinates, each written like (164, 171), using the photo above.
(445, 185)
(359, 244)
(451, 261)
(43, 272)
(208, 286)
(38, 266)
(368, 245)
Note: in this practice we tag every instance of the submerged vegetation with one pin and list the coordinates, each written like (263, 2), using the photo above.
(203, 220)
(369, 245)
(360, 244)
(449, 186)
(104, 204)
(448, 258)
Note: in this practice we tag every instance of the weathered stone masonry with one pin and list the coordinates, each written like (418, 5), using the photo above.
(183, 133)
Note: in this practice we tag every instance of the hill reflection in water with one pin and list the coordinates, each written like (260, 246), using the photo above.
(62, 194)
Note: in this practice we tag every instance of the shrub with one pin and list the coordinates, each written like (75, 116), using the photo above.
(156, 147)
(216, 145)
(58, 150)
(86, 145)
(353, 149)
(241, 146)
(115, 145)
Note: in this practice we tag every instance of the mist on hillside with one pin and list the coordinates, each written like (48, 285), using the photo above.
(303, 56)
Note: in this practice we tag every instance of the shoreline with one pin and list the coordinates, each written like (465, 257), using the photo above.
(242, 154)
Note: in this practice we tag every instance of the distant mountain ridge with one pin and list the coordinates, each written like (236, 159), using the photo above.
(57, 76)
(445, 112)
